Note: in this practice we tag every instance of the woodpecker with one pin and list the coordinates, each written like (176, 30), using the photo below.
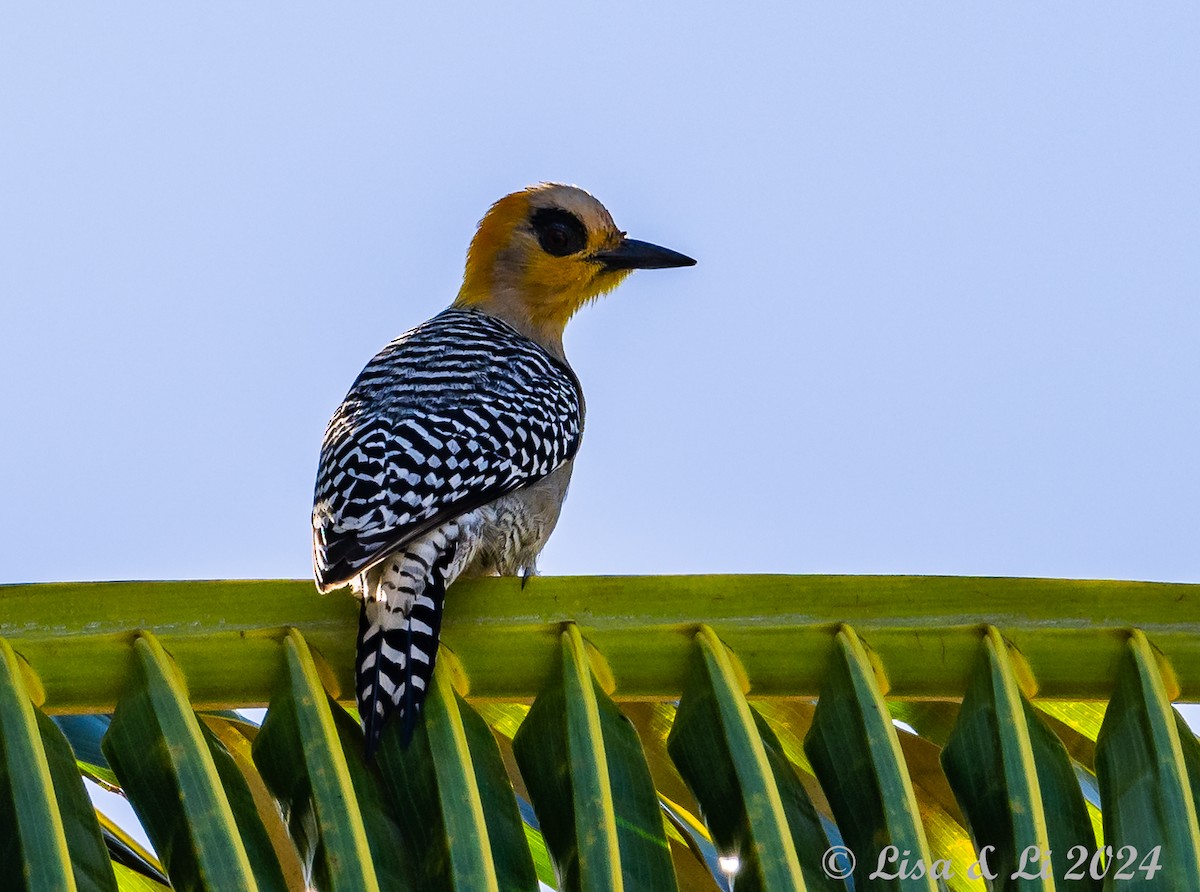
(451, 454)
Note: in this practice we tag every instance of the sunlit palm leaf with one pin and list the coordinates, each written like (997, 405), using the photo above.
(718, 746)
(853, 748)
(612, 801)
(587, 777)
(158, 751)
(1014, 779)
(1144, 786)
(455, 805)
(301, 754)
(42, 801)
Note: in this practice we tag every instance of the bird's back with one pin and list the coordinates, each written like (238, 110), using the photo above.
(449, 416)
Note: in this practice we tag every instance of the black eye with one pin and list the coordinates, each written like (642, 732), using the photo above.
(559, 232)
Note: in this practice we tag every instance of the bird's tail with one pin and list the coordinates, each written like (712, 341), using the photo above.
(398, 630)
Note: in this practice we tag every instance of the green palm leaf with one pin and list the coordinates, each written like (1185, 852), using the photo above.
(656, 747)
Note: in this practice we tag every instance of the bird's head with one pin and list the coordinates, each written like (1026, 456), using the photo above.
(542, 253)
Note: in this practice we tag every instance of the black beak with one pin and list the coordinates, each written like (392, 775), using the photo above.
(632, 254)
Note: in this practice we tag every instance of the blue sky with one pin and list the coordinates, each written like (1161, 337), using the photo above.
(944, 319)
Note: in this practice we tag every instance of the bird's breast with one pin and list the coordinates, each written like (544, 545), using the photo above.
(513, 529)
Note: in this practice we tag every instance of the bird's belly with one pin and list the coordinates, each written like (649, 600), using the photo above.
(512, 531)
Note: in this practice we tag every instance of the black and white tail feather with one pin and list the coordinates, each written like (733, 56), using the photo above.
(398, 628)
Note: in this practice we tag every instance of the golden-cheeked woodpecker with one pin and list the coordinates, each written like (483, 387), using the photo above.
(451, 454)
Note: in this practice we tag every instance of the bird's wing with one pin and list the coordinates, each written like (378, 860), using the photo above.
(448, 417)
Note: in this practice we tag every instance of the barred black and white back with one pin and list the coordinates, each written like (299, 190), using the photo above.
(448, 418)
